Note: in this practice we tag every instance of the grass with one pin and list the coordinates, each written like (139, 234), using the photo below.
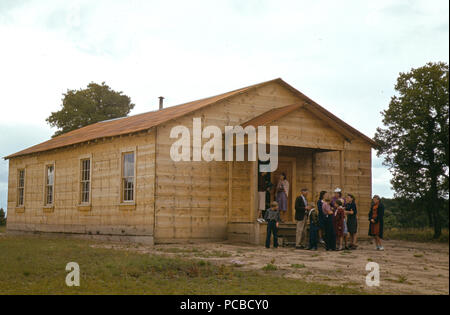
(400, 279)
(214, 253)
(416, 235)
(270, 267)
(32, 265)
(2, 228)
(298, 266)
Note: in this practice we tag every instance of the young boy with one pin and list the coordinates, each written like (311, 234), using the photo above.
(272, 216)
(314, 227)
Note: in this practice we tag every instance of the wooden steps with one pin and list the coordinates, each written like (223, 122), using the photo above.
(287, 233)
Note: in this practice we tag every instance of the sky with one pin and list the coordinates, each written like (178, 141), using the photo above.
(345, 55)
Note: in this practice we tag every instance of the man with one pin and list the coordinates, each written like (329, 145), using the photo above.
(301, 208)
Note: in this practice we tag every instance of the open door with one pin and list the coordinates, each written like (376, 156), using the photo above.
(286, 165)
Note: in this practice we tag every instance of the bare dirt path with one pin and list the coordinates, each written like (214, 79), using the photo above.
(405, 267)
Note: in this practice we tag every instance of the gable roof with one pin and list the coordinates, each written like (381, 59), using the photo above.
(335, 123)
(145, 121)
(271, 115)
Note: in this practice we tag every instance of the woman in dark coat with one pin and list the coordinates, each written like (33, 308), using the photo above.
(352, 222)
(376, 216)
(321, 217)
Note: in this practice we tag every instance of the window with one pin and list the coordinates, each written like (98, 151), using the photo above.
(20, 188)
(49, 183)
(85, 181)
(128, 177)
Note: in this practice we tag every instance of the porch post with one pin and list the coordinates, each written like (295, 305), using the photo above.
(313, 175)
(230, 188)
(341, 169)
(253, 190)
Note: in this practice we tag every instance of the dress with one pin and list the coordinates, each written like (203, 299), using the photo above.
(330, 235)
(352, 222)
(377, 214)
(339, 221)
(321, 215)
(282, 194)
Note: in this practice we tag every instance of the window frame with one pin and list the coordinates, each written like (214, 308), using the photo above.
(80, 180)
(46, 166)
(18, 204)
(123, 152)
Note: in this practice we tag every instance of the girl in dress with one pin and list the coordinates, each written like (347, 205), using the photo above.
(352, 222)
(339, 222)
(281, 194)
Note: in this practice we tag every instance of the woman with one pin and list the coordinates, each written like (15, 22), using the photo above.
(330, 234)
(339, 222)
(321, 217)
(281, 194)
(337, 196)
(376, 216)
(352, 222)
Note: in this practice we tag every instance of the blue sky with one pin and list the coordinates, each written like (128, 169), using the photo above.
(346, 55)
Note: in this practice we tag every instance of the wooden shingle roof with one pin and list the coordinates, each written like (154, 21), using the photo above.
(145, 121)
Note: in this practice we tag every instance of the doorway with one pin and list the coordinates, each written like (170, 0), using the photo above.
(286, 165)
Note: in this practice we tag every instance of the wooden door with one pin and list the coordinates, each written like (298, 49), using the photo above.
(287, 166)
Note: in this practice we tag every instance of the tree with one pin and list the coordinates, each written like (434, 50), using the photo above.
(415, 139)
(2, 217)
(87, 106)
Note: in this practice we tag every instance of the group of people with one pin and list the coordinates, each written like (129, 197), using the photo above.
(332, 222)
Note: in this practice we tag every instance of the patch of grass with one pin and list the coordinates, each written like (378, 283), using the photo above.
(178, 250)
(270, 267)
(298, 266)
(351, 284)
(32, 265)
(399, 279)
(416, 235)
(2, 229)
(418, 255)
(214, 253)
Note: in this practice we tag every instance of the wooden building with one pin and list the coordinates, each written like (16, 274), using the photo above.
(116, 178)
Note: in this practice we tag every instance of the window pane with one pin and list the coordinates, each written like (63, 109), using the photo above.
(50, 172)
(49, 195)
(128, 187)
(128, 165)
(85, 169)
(20, 201)
(21, 178)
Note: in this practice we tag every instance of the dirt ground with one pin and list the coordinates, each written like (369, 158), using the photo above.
(405, 267)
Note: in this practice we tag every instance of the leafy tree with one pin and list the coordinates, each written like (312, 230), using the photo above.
(2, 217)
(87, 106)
(415, 139)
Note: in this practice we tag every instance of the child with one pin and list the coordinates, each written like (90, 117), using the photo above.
(272, 216)
(314, 227)
(352, 222)
(339, 222)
